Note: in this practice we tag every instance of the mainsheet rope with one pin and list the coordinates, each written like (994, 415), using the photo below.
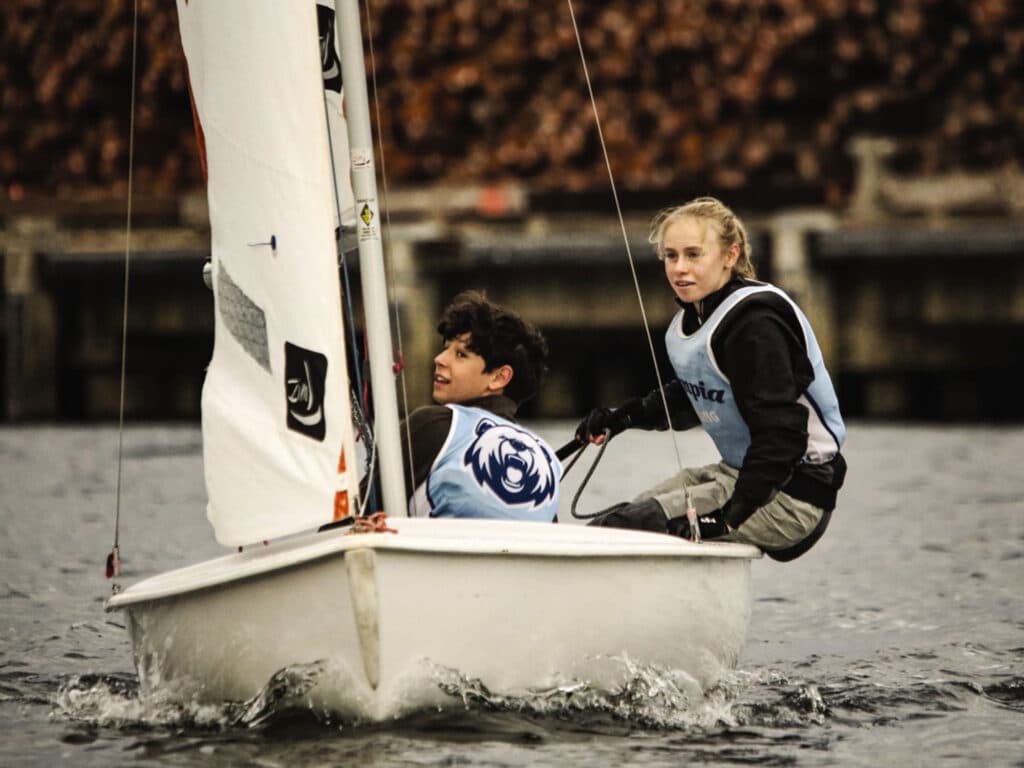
(114, 558)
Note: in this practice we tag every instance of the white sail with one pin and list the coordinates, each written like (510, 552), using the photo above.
(277, 435)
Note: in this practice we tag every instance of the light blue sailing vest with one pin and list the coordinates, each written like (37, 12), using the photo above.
(712, 396)
(490, 467)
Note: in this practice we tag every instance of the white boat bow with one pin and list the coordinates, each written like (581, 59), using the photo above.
(515, 606)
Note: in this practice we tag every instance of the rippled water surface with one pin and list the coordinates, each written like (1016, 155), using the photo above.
(897, 641)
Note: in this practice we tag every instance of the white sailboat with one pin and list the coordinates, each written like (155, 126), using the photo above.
(514, 606)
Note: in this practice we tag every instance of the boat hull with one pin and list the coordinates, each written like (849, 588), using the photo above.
(514, 606)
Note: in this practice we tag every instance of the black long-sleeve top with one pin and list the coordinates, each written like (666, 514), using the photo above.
(760, 348)
(428, 428)
(424, 433)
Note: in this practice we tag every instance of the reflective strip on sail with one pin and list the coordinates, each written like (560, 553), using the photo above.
(276, 414)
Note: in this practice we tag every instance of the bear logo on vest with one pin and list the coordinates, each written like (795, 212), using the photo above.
(511, 463)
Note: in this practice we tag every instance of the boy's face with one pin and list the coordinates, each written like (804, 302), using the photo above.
(459, 373)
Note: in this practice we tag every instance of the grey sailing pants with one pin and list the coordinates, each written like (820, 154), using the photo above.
(782, 522)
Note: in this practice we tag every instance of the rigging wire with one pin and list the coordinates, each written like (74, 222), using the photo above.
(389, 262)
(358, 401)
(356, 404)
(625, 240)
(114, 558)
(341, 247)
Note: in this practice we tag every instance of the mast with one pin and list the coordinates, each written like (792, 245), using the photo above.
(371, 257)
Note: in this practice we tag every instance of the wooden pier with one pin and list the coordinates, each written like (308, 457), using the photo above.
(919, 318)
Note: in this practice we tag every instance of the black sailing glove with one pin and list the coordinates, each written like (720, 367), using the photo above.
(600, 419)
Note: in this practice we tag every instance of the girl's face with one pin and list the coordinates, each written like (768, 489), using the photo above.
(696, 264)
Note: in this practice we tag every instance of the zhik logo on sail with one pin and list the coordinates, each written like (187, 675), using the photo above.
(305, 376)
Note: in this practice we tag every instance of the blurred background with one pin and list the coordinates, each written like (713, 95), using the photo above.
(873, 148)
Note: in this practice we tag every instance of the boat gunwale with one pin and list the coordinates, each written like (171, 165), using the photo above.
(307, 548)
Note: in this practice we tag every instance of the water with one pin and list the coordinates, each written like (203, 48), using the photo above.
(896, 641)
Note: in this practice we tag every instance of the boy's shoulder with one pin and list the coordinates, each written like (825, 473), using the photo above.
(430, 415)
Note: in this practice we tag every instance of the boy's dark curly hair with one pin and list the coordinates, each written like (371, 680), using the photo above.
(500, 337)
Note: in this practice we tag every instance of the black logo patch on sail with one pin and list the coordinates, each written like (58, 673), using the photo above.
(328, 51)
(305, 376)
